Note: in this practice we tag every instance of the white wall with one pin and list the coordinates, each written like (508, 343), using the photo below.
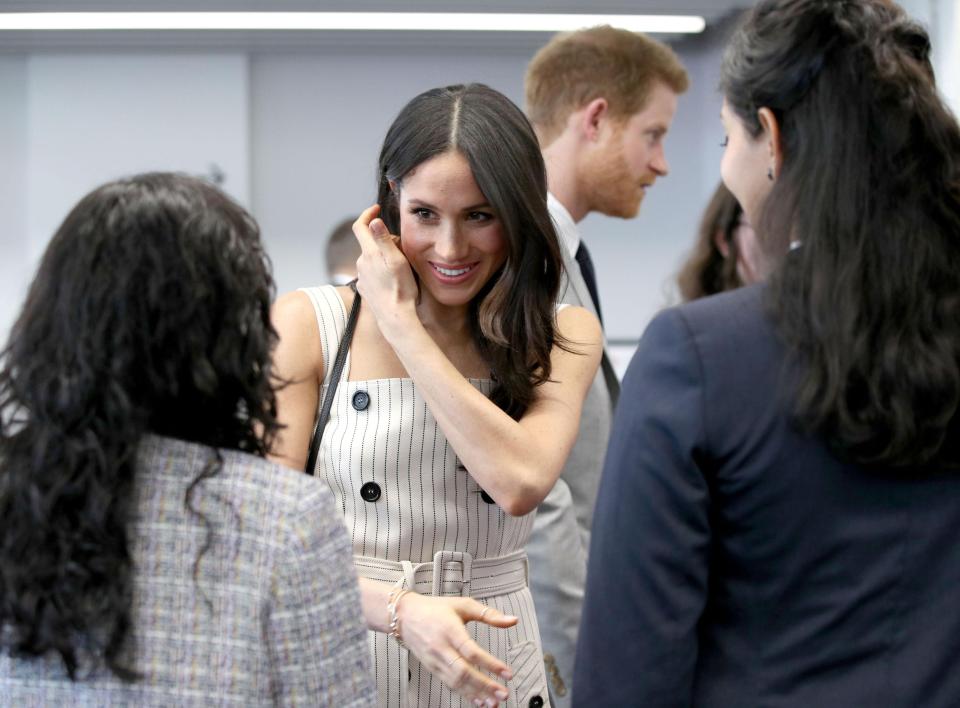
(319, 119)
(72, 121)
(318, 123)
(297, 134)
(947, 51)
(98, 117)
(14, 265)
(942, 20)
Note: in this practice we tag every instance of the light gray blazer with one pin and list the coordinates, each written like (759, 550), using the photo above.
(272, 618)
(560, 540)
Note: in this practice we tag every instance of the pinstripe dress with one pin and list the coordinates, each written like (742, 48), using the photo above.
(413, 511)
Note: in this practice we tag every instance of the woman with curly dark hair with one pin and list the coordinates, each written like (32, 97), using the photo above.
(148, 554)
(458, 405)
(781, 496)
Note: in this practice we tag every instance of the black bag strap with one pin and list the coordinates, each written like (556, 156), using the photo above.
(338, 363)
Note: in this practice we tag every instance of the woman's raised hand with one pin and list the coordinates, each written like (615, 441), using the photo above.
(384, 277)
(433, 629)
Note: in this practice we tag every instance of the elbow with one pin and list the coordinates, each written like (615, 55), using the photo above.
(523, 499)
(517, 506)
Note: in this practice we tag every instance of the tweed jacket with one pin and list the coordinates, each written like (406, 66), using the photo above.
(560, 539)
(272, 616)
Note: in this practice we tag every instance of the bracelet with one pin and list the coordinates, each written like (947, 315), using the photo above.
(393, 599)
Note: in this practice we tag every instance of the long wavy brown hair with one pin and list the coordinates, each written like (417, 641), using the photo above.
(870, 185)
(512, 318)
(707, 271)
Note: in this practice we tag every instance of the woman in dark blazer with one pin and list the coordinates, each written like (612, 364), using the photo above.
(778, 519)
(149, 555)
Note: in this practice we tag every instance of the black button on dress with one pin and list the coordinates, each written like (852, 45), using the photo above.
(370, 491)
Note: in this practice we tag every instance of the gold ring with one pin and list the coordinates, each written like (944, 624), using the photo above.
(485, 609)
(454, 660)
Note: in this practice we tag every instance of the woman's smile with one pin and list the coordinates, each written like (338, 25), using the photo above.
(453, 275)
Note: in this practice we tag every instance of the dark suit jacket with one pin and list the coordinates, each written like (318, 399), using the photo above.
(736, 562)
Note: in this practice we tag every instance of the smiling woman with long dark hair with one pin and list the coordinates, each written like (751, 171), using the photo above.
(148, 554)
(778, 518)
(459, 402)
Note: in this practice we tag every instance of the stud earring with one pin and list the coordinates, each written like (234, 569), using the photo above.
(770, 174)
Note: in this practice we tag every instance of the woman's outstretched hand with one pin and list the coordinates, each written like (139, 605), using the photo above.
(384, 277)
(433, 629)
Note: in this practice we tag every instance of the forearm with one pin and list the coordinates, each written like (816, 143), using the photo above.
(433, 629)
(505, 458)
(373, 601)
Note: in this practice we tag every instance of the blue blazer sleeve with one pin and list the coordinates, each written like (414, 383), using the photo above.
(647, 578)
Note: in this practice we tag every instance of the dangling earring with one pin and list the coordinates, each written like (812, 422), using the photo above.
(770, 174)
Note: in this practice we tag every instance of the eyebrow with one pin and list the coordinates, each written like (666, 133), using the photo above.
(428, 205)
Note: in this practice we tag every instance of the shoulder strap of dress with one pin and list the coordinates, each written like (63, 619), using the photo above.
(333, 378)
(331, 322)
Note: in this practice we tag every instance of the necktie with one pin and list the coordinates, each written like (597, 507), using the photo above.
(589, 276)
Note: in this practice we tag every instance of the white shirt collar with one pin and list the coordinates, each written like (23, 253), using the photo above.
(566, 227)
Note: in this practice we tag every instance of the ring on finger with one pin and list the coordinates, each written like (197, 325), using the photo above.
(485, 610)
(454, 660)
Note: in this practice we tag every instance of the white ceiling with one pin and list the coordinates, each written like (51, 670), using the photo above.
(713, 11)
(707, 8)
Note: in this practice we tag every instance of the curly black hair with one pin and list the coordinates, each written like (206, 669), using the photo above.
(149, 314)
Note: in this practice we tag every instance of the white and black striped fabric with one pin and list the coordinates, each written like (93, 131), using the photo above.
(405, 497)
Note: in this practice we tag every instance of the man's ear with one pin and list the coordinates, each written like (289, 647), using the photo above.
(771, 134)
(592, 116)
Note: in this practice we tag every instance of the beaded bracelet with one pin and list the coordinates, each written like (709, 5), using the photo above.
(393, 599)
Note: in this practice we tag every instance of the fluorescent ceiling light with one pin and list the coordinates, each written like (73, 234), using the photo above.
(449, 21)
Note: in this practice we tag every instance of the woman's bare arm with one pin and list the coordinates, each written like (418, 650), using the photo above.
(297, 361)
(516, 462)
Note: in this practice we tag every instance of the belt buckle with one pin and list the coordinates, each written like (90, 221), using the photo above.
(452, 568)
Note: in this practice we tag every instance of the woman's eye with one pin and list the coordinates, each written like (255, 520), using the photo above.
(479, 216)
(422, 213)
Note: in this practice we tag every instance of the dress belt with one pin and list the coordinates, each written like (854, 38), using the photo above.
(452, 573)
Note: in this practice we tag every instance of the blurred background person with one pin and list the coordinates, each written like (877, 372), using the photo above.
(726, 254)
(778, 515)
(149, 555)
(342, 253)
